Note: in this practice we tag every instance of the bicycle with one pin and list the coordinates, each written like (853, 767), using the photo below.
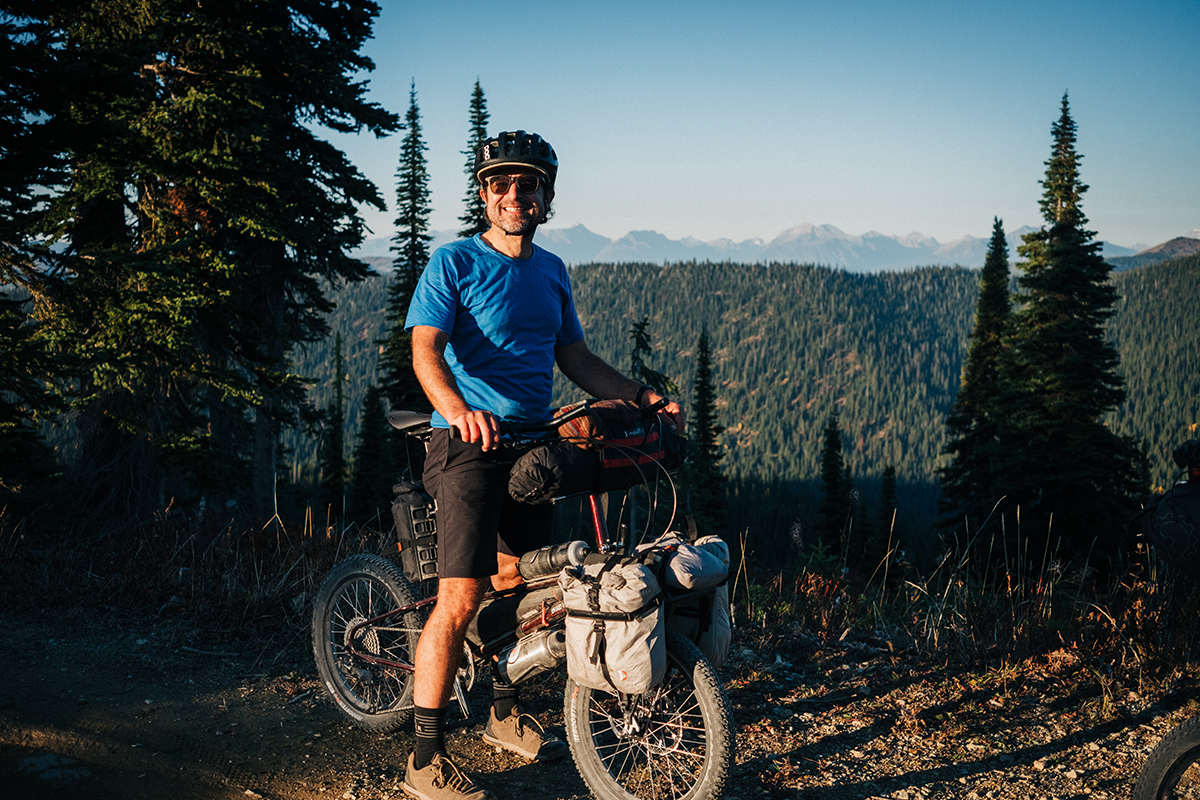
(674, 742)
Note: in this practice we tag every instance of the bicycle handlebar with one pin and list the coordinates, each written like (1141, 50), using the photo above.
(417, 423)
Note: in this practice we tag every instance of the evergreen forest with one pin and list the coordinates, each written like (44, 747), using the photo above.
(793, 343)
(185, 323)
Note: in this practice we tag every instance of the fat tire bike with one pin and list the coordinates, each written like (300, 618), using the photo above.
(673, 742)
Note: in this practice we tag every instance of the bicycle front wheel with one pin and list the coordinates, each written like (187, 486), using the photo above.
(374, 697)
(674, 742)
(1173, 768)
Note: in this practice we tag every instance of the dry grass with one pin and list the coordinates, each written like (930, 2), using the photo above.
(219, 577)
(1020, 614)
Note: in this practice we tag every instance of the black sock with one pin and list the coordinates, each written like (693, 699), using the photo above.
(430, 730)
(504, 700)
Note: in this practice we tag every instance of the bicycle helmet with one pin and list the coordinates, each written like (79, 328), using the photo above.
(516, 148)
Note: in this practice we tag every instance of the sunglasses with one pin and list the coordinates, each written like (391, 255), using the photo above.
(526, 184)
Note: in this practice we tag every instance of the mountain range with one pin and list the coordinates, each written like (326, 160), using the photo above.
(802, 244)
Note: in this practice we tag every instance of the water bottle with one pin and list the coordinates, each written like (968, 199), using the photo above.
(551, 560)
(533, 654)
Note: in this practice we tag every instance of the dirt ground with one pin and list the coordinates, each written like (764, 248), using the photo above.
(99, 708)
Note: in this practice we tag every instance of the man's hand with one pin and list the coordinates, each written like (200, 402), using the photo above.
(476, 426)
(595, 376)
(671, 414)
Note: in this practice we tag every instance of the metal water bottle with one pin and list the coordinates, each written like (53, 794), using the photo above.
(533, 654)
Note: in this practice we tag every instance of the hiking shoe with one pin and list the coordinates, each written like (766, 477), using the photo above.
(523, 735)
(441, 779)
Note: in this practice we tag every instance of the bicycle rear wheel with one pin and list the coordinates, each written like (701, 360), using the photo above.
(674, 742)
(372, 696)
(1173, 768)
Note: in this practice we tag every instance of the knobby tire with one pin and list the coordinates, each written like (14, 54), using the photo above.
(373, 697)
(679, 746)
(1173, 768)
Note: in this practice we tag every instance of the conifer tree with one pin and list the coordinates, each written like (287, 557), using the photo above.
(474, 219)
(29, 168)
(411, 245)
(707, 490)
(332, 452)
(32, 163)
(967, 481)
(830, 525)
(25, 460)
(887, 512)
(639, 370)
(201, 223)
(374, 470)
(1071, 476)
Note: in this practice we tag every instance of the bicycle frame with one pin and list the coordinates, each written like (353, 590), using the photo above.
(551, 615)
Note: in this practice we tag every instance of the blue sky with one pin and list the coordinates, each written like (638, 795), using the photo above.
(723, 120)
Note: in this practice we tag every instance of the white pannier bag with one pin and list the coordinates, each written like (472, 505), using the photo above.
(616, 637)
(697, 566)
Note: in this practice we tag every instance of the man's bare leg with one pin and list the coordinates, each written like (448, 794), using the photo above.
(431, 774)
(507, 577)
(439, 653)
(440, 649)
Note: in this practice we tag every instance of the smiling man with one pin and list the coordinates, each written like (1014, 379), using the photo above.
(490, 318)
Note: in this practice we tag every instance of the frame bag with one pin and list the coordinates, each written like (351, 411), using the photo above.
(616, 636)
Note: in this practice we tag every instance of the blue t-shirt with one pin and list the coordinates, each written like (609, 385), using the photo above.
(504, 317)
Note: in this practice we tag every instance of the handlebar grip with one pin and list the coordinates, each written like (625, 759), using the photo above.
(655, 407)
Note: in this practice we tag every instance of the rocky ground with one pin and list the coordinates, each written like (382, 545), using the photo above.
(116, 708)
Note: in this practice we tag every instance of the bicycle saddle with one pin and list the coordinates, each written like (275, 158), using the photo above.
(403, 420)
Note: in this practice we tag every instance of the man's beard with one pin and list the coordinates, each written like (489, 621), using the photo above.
(523, 226)
(519, 227)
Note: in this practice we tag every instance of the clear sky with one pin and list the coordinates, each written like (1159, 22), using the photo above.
(740, 120)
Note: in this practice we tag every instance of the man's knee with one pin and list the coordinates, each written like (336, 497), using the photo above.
(458, 600)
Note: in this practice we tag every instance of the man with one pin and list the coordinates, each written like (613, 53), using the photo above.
(490, 318)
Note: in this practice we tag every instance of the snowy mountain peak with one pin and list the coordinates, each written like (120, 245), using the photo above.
(805, 243)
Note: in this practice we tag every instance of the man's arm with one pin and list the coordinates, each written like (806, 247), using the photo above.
(429, 364)
(598, 378)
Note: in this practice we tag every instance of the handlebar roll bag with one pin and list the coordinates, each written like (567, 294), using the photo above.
(613, 447)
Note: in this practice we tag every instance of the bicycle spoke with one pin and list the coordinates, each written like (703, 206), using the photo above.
(657, 752)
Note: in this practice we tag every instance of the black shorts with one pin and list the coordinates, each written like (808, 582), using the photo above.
(476, 517)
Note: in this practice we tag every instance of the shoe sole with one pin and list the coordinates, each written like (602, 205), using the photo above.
(492, 740)
(410, 789)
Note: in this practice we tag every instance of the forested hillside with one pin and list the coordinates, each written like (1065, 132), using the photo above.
(1155, 328)
(791, 343)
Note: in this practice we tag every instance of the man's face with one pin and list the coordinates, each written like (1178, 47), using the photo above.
(515, 210)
